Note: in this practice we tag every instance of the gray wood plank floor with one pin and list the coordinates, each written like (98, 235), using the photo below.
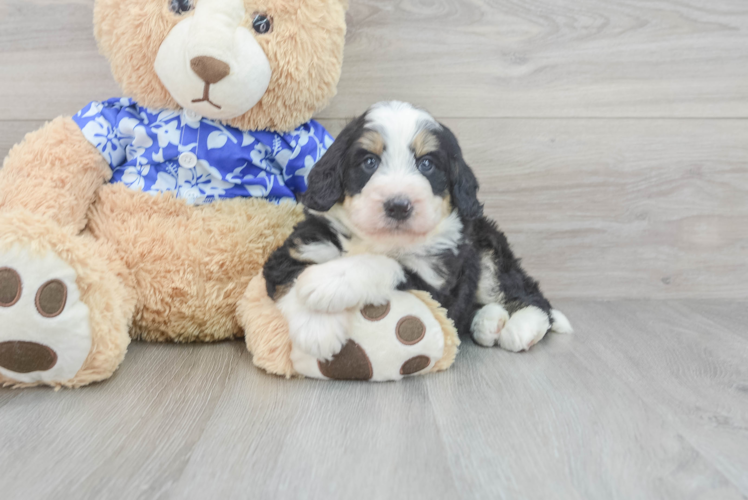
(646, 400)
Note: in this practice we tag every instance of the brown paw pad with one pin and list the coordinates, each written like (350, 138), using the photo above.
(410, 330)
(351, 363)
(414, 365)
(51, 298)
(10, 287)
(25, 357)
(375, 313)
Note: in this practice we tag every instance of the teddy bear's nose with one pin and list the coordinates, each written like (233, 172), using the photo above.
(210, 69)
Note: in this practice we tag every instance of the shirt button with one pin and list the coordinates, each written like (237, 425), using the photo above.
(188, 160)
(191, 115)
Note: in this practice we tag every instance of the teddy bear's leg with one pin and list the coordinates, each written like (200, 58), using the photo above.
(408, 334)
(65, 304)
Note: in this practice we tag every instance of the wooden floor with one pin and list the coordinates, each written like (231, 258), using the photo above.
(611, 142)
(646, 400)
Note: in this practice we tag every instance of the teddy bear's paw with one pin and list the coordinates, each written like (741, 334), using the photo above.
(351, 363)
(524, 329)
(45, 334)
(488, 323)
(349, 282)
(384, 342)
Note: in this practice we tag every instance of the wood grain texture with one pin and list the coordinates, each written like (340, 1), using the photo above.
(543, 58)
(691, 356)
(646, 400)
(459, 58)
(82, 442)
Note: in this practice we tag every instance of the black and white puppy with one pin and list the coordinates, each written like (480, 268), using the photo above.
(392, 204)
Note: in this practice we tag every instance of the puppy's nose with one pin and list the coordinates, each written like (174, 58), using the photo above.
(398, 208)
(209, 69)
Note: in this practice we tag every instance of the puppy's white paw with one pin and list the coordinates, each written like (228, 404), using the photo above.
(524, 329)
(319, 334)
(488, 323)
(348, 282)
(561, 323)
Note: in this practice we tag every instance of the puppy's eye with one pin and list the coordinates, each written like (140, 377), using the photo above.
(181, 6)
(262, 24)
(370, 164)
(425, 165)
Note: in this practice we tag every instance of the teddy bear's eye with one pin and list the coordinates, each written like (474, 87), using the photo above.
(181, 6)
(262, 24)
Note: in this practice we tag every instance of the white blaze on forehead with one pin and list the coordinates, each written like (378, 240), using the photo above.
(399, 123)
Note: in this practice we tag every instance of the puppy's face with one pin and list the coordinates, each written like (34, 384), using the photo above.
(394, 171)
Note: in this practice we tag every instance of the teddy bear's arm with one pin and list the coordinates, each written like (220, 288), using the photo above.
(54, 172)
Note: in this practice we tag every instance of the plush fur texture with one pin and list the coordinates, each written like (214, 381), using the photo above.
(104, 284)
(152, 265)
(266, 330)
(54, 172)
(191, 265)
(305, 50)
(395, 185)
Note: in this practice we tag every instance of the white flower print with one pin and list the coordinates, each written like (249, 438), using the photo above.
(164, 182)
(262, 156)
(93, 110)
(133, 176)
(247, 139)
(101, 134)
(254, 189)
(203, 181)
(167, 132)
(134, 136)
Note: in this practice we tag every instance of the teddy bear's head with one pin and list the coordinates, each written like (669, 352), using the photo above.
(254, 64)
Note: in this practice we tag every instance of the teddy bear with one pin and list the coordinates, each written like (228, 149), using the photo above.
(149, 217)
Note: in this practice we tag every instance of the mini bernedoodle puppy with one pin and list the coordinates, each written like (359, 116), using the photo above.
(392, 204)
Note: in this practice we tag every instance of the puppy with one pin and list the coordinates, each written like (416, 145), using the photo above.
(392, 204)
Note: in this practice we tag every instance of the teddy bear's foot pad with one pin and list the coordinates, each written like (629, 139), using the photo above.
(386, 342)
(351, 363)
(45, 334)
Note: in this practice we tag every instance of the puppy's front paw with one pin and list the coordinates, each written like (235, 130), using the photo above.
(488, 323)
(348, 282)
(319, 334)
(524, 329)
(327, 289)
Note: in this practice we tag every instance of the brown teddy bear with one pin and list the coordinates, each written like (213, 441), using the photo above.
(147, 216)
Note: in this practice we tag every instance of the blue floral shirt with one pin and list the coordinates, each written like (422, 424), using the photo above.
(196, 158)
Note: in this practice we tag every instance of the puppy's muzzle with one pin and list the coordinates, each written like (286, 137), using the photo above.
(398, 209)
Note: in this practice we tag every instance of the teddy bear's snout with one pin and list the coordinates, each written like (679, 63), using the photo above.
(209, 69)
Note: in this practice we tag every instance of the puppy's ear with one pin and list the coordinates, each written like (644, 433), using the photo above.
(325, 181)
(464, 185)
